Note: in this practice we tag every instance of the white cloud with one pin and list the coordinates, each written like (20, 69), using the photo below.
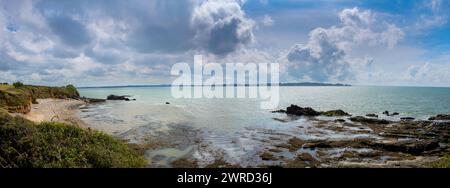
(355, 17)
(109, 40)
(434, 5)
(325, 56)
(221, 26)
(428, 73)
(267, 21)
(7, 76)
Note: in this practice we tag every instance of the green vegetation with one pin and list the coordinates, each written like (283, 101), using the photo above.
(72, 89)
(444, 162)
(18, 84)
(50, 145)
(18, 97)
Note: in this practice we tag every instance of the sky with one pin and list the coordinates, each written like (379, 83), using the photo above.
(115, 42)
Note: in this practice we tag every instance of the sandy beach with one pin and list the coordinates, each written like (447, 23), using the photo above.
(55, 110)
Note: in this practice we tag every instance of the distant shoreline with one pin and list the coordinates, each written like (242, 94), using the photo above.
(225, 85)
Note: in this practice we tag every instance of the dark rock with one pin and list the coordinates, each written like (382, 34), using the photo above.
(266, 156)
(92, 100)
(134, 99)
(339, 120)
(361, 119)
(118, 97)
(279, 111)
(299, 111)
(306, 157)
(372, 115)
(167, 102)
(407, 118)
(412, 147)
(386, 113)
(395, 114)
(335, 113)
(440, 117)
(295, 143)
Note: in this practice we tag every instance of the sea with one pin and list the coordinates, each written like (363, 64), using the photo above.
(237, 129)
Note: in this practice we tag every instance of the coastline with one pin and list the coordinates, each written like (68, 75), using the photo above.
(398, 143)
(55, 110)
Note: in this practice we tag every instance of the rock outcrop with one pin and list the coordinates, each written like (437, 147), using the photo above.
(372, 115)
(118, 98)
(335, 113)
(299, 111)
(440, 117)
(308, 111)
(361, 119)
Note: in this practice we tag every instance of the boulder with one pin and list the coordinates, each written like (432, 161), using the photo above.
(440, 117)
(91, 100)
(335, 113)
(372, 115)
(118, 97)
(395, 114)
(407, 118)
(266, 156)
(362, 119)
(299, 111)
(386, 113)
(279, 111)
(339, 120)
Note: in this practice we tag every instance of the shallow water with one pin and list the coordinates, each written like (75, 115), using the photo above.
(238, 128)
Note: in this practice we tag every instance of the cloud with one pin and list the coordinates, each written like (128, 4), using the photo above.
(355, 17)
(70, 31)
(434, 5)
(77, 41)
(221, 27)
(267, 21)
(319, 60)
(325, 56)
(429, 73)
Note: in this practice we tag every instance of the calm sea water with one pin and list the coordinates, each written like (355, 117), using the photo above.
(223, 121)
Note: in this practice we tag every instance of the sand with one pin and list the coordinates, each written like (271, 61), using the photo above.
(55, 110)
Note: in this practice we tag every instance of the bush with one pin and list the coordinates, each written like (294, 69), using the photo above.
(18, 84)
(72, 89)
(57, 145)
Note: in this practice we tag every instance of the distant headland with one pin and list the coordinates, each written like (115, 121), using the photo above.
(280, 84)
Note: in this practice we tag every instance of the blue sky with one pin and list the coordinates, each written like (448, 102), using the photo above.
(113, 42)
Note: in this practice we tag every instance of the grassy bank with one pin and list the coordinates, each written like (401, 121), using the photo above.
(18, 97)
(50, 145)
(54, 145)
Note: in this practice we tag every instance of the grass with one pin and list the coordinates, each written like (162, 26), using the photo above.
(4, 87)
(444, 162)
(57, 145)
(19, 98)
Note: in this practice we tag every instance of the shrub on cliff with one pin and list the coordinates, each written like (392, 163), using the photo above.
(72, 89)
(50, 145)
(19, 98)
(18, 84)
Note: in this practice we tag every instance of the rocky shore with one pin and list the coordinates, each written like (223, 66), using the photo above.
(332, 138)
(381, 143)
